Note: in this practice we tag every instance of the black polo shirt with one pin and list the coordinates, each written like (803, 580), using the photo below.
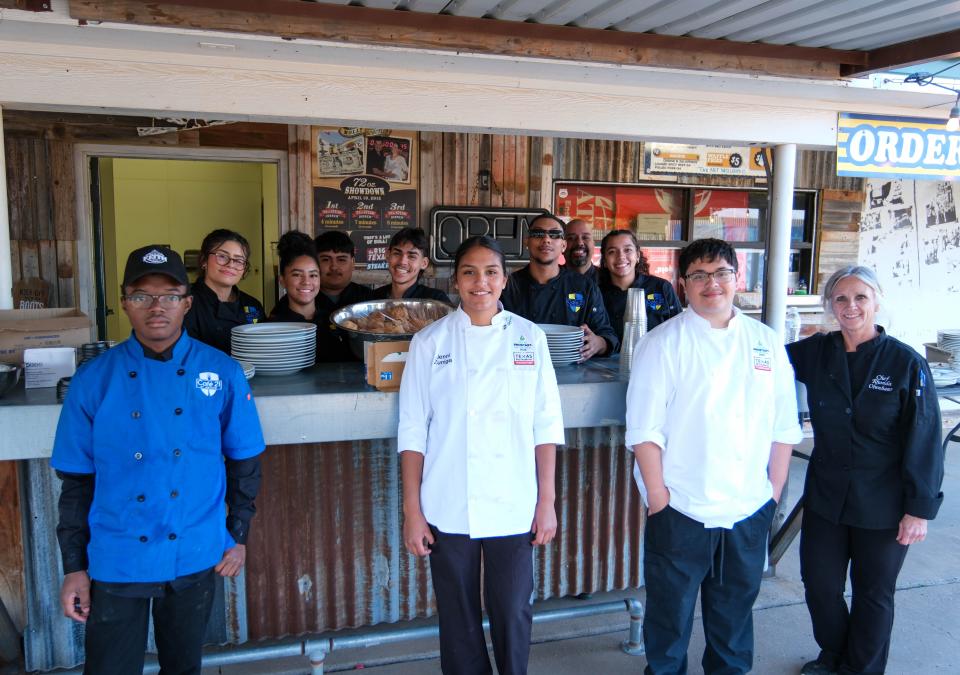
(569, 299)
(211, 321)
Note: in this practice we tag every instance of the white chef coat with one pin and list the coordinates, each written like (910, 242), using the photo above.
(475, 401)
(714, 400)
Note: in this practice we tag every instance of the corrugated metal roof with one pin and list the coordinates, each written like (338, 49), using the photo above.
(836, 24)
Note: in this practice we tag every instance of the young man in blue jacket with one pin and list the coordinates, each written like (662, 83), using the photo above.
(156, 438)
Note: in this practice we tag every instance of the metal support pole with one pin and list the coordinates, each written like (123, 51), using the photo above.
(317, 657)
(6, 260)
(778, 260)
(317, 649)
(633, 645)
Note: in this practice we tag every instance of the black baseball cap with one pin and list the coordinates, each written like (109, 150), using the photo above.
(155, 259)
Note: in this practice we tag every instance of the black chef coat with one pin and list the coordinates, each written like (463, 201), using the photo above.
(416, 292)
(333, 344)
(661, 300)
(877, 452)
(211, 321)
(282, 312)
(592, 273)
(569, 299)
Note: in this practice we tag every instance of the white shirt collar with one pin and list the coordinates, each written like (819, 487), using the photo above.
(703, 323)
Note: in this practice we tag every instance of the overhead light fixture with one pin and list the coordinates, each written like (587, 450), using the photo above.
(923, 79)
(953, 123)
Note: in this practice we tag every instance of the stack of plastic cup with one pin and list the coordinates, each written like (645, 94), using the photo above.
(634, 327)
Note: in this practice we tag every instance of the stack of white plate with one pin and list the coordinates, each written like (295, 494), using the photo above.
(949, 341)
(249, 370)
(944, 375)
(564, 343)
(275, 348)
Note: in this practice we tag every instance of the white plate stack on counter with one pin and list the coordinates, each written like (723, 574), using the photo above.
(564, 343)
(249, 370)
(634, 326)
(275, 348)
(948, 340)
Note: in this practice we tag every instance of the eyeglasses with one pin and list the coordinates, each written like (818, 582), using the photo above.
(141, 300)
(541, 234)
(722, 276)
(226, 261)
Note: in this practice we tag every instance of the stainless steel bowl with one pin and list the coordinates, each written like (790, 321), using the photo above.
(422, 309)
(9, 376)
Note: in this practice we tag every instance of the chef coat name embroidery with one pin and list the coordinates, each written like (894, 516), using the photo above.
(881, 383)
(523, 354)
(761, 358)
(155, 257)
(209, 383)
(443, 359)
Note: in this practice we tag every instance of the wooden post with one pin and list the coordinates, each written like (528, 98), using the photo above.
(6, 262)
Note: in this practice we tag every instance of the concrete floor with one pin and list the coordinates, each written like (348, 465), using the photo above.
(926, 637)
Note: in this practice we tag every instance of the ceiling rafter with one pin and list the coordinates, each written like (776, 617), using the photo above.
(295, 19)
(931, 48)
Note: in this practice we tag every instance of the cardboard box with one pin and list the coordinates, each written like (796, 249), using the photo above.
(45, 366)
(29, 328)
(935, 354)
(385, 362)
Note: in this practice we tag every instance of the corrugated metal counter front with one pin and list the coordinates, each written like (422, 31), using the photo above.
(326, 547)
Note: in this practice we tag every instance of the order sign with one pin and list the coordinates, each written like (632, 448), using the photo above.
(902, 147)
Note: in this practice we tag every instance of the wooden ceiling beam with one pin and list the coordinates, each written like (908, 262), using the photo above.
(931, 48)
(294, 19)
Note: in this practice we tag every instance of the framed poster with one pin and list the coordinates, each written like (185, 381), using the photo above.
(364, 183)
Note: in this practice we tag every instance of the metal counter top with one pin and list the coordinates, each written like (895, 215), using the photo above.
(329, 402)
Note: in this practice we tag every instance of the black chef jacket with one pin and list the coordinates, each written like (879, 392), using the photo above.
(592, 273)
(416, 292)
(282, 312)
(877, 452)
(569, 299)
(660, 298)
(76, 496)
(211, 321)
(333, 344)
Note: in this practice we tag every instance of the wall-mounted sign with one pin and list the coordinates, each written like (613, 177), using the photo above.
(451, 225)
(365, 183)
(904, 147)
(722, 160)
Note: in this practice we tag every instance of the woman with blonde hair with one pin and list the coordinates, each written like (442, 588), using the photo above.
(874, 476)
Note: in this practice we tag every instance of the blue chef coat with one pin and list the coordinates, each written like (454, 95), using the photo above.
(155, 434)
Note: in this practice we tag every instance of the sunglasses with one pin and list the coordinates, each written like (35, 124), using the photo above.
(541, 234)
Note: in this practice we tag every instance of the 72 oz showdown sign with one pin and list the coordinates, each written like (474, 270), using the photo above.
(367, 208)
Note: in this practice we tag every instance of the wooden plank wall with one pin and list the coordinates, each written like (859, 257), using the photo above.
(622, 162)
(41, 182)
(41, 188)
(450, 165)
(839, 232)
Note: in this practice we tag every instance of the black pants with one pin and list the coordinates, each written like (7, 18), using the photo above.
(682, 557)
(855, 640)
(116, 631)
(507, 593)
